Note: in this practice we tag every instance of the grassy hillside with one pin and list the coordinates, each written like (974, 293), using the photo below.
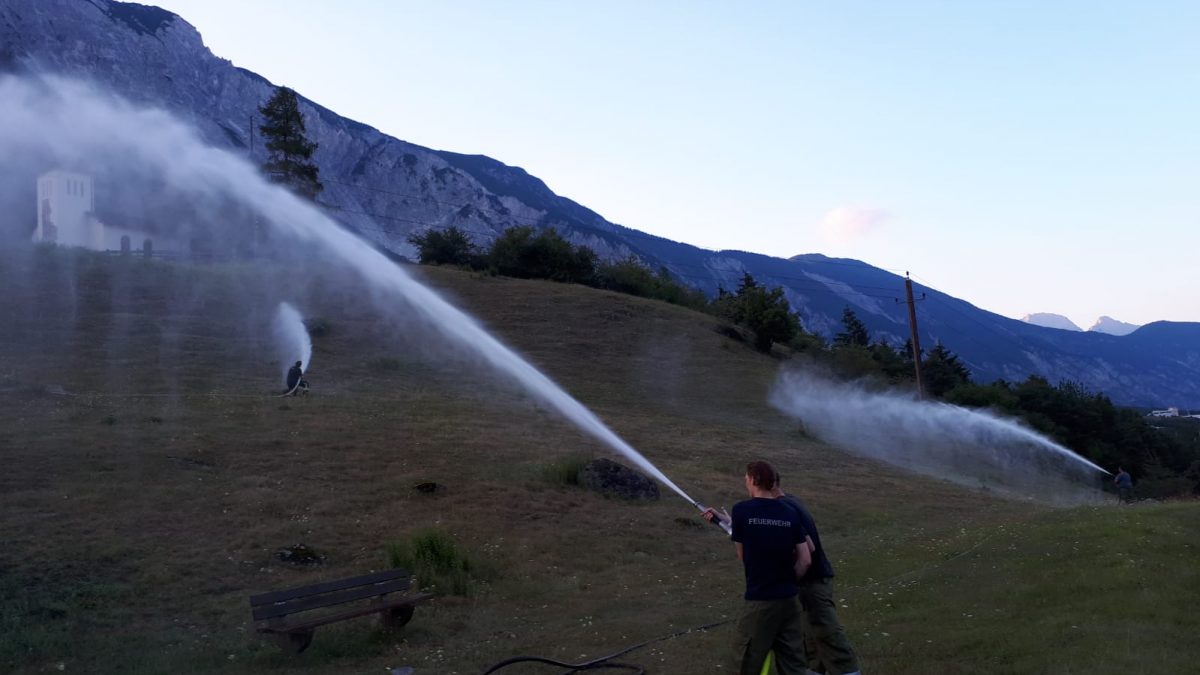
(149, 476)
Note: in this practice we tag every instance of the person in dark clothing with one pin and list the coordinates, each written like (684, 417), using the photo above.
(295, 381)
(1124, 485)
(827, 649)
(772, 545)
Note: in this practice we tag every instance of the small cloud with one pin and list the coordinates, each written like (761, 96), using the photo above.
(847, 223)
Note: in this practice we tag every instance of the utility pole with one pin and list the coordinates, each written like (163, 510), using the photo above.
(916, 339)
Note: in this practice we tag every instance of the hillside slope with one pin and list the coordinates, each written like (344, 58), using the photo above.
(150, 475)
(386, 188)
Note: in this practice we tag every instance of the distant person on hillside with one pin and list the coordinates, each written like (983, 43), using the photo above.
(827, 649)
(773, 548)
(1124, 485)
(295, 380)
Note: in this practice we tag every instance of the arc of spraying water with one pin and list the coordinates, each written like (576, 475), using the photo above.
(73, 119)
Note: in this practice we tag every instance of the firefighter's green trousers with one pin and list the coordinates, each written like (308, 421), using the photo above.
(826, 646)
(770, 625)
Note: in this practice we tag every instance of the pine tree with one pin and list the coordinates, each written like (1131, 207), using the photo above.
(891, 362)
(765, 312)
(854, 332)
(942, 371)
(290, 159)
(748, 284)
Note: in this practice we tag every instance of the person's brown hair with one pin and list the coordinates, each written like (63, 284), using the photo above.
(762, 475)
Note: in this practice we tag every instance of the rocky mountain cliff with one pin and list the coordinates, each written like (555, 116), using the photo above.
(386, 188)
(381, 186)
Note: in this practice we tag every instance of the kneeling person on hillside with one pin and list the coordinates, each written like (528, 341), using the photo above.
(771, 544)
(295, 382)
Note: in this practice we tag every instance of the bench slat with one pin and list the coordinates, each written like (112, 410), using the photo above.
(328, 599)
(326, 587)
(310, 624)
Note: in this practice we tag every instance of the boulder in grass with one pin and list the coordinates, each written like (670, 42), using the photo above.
(610, 478)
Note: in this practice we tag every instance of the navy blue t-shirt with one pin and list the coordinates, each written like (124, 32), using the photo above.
(768, 531)
(821, 567)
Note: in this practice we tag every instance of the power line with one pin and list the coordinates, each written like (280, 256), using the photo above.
(620, 230)
(374, 215)
(993, 330)
(811, 283)
(798, 284)
(938, 297)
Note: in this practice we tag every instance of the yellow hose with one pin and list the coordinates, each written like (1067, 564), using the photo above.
(768, 663)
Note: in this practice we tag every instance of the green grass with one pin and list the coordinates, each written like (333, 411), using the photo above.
(1090, 589)
(133, 546)
(437, 562)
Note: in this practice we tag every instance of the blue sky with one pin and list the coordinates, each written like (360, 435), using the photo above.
(1025, 156)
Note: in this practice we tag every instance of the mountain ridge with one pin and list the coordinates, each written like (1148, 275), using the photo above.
(386, 188)
(1048, 320)
(1111, 326)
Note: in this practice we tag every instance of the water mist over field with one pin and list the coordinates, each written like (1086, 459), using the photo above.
(291, 338)
(969, 447)
(56, 123)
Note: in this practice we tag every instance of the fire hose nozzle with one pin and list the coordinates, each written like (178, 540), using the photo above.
(721, 520)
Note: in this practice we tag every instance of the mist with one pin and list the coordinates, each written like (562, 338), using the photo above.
(291, 339)
(970, 447)
(212, 195)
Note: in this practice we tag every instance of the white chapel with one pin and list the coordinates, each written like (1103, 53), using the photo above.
(67, 217)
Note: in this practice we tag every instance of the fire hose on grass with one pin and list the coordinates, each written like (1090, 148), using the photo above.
(606, 662)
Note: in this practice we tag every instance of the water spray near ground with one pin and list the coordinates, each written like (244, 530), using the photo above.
(73, 125)
(291, 339)
(969, 447)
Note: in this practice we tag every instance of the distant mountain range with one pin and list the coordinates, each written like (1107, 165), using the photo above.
(1051, 321)
(1105, 324)
(1110, 326)
(386, 188)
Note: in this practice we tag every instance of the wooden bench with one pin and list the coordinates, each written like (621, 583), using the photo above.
(383, 592)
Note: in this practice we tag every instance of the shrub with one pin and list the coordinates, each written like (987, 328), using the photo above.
(852, 361)
(632, 277)
(628, 276)
(1163, 483)
(444, 247)
(519, 252)
(807, 343)
(433, 557)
